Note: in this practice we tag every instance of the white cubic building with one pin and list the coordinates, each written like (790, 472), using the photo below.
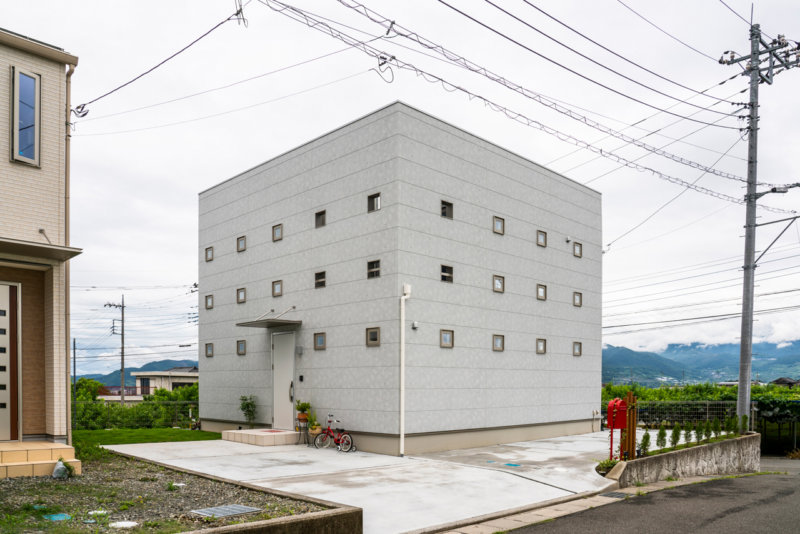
(309, 261)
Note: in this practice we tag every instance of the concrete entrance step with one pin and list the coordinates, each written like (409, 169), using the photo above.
(263, 437)
(34, 458)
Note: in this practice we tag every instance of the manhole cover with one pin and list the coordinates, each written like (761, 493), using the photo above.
(226, 510)
(615, 495)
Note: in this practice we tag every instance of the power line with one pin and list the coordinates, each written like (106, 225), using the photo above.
(665, 32)
(465, 63)
(576, 73)
(386, 61)
(686, 319)
(621, 56)
(81, 109)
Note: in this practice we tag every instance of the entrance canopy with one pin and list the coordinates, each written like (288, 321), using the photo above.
(270, 323)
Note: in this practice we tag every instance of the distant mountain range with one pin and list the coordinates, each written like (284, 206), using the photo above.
(699, 363)
(112, 378)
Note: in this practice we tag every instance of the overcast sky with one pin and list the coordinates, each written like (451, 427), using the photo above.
(136, 172)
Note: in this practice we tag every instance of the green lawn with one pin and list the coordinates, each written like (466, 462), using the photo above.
(87, 442)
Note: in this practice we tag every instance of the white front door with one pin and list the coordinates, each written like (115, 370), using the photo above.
(283, 377)
(9, 413)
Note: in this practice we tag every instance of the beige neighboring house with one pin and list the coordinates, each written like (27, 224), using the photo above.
(34, 248)
(171, 379)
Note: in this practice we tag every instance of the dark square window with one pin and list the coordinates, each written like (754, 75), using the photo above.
(577, 250)
(319, 219)
(241, 295)
(447, 273)
(373, 337)
(241, 347)
(498, 284)
(319, 279)
(577, 299)
(374, 202)
(446, 339)
(320, 341)
(209, 301)
(577, 348)
(277, 288)
(277, 232)
(498, 343)
(499, 225)
(373, 269)
(209, 350)
(209, 253)
(447, 209)
(541, 291)
(541, 346)
(541, 238)
(241, 244)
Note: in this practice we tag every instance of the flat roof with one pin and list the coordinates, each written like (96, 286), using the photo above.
(37, 250)
(270, 323)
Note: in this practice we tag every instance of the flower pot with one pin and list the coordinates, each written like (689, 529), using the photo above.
(302, 417)
(314, 431)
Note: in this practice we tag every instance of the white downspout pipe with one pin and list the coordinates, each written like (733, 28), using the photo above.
(406, 295)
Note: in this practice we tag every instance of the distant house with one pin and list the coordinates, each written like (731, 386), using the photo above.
(171, 379)
(307, 264)
(34, 240)
(784, 381)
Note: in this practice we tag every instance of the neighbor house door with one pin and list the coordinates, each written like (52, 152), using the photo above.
(283, 376)
(9, 408)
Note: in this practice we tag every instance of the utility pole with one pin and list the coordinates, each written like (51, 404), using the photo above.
(73, 369)
(783, 61)
(121, 347)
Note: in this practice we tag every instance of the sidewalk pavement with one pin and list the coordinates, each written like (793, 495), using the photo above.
(420, 493)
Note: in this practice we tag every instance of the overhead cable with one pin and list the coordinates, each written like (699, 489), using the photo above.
(465, 63)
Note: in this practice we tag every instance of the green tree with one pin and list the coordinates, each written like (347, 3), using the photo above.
(698, 432)
(687, 432)
(716, 428)
(645, 444)
(86, 389)
(661, 437)
(675, 437)
(707, 430)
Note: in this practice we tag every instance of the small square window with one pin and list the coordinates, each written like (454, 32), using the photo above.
(541, 292)
(209, 350)
(373, 337)
(541, 346)
(541, 238)
(320, 341)
(26, 117)
(498, 343)
(373, 269)
(498, 284)
(241, 295)
(447, 209)
(577, 348)
(241, 243)
(277, 232)
(319, 219)
(499, 225)
(577, 299)
(319, 279)
(446, 339)
(374, 202)
(577, 250)
(241, 347)
(447, 273)
(277, 288)
(209, 253)
(209, 301)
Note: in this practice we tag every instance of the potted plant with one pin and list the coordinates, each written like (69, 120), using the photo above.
(302, 410)
(314, 427)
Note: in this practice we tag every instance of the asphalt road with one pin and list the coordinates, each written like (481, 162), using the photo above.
(762, 503)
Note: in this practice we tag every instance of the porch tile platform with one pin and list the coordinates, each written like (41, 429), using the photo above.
(34, 458)
(264, 437)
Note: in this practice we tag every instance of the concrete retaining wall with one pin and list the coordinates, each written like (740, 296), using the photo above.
(739, 455)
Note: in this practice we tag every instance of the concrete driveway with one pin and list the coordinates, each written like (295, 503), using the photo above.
(403, 494)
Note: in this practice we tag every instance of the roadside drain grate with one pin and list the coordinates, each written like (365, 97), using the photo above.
(226, 510)
(615, 495)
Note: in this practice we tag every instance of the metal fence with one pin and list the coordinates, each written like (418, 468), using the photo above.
(88, 415)
(653, 413)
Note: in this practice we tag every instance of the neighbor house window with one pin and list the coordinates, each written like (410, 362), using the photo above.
(577, 299)
(209, 253)
(319, 341)
(447, 209)
(373, 337)
(577, 250)
(541, 238)
(447, 273)
(26, 117)
(374, 202)
(541, 291)
(541, 346)
(498, 343)
(209, 350)
(319, 219)
(499, 225)
(373, 269)
(446, 339)
(277, 288)
(241, 347)
(241, 243)
(319, 279)
(498, 284)
(241, 295)
(209, 301)
(277, 232)
(577, 348)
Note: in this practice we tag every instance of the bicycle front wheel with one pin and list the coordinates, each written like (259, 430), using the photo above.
(346, 443)
(322, 440)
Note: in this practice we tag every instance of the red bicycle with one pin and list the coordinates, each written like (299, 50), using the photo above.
(342, 440)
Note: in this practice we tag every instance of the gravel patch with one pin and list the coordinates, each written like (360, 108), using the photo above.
(157, 498)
